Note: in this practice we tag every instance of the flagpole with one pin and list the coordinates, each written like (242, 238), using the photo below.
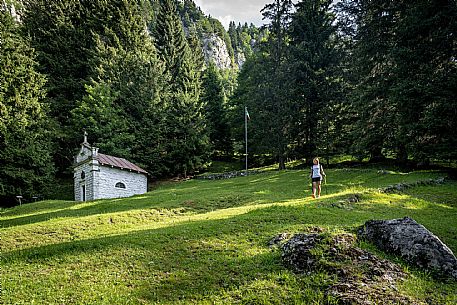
(246, 135)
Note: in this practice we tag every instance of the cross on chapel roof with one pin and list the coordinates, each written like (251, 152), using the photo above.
(85, 143)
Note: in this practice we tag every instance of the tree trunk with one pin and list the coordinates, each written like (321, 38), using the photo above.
(282, 164)
(402, 154)
(376, 155)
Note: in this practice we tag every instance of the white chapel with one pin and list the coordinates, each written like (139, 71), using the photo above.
(100, 176)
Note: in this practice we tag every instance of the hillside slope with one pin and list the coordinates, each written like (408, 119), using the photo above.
(206, 242)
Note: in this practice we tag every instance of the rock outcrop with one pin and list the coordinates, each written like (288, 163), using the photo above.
(240, 58)
(297, 252)
(361, 277)
(215, 50)
(10, 7)
(400, 187)
(347, 204)
(413, 242)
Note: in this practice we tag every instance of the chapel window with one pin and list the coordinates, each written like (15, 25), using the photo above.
(120, 185)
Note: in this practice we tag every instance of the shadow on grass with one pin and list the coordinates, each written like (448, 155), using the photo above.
(196, 196)
(443, 194)
(187, 261)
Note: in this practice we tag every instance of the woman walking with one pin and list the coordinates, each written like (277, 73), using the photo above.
(317, 174)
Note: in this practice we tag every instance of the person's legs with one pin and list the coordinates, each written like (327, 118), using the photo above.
(319, 189)
(314, 189)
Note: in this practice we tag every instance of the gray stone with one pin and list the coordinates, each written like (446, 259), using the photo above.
(361, 277)
(400, 187)
(297, 252)
(278, 240)
(413, 242)
(440, 180)
(354, 198)
(240, 58)
(227, 175)
(348, 203)
(215, 50)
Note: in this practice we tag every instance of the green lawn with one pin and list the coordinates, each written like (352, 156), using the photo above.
(206, 242)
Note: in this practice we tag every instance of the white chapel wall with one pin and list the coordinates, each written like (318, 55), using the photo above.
(135, 183)
(88, 181)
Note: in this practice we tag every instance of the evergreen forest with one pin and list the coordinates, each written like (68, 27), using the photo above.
(372, 79)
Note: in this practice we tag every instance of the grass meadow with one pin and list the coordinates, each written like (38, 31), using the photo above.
(206, 242)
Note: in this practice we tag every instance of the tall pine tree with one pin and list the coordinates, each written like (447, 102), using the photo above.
(216, 111)
(123, 109)
(313, 61)
(424, 75)
(60, 32)
(263, 88)
(373, 112)
(188, 144)
(404, 77)
(26, 167)
(276, 100)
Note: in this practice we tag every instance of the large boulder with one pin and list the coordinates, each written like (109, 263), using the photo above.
(297, 253)
(413, 242)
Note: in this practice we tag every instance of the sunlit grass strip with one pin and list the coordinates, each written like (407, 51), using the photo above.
(60, 230)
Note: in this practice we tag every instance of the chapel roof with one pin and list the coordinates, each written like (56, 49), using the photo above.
(118, 163)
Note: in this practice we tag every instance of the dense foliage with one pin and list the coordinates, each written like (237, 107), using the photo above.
(216, 109)
(404, 65)
(374, 79)
(187, 145)
(290, 84)
(25, 146)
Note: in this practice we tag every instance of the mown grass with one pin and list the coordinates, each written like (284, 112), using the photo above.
(206, 242)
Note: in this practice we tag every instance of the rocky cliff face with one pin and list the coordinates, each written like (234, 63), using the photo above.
(226, 49)
(240, 58)
(11, 8)
(215, 50)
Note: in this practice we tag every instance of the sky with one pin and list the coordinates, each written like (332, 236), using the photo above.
(236, 10)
